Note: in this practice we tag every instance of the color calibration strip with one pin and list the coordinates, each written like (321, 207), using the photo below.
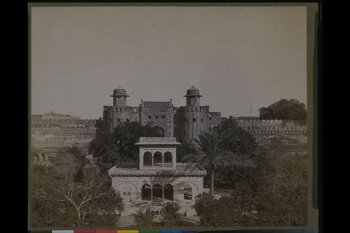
(122, 231)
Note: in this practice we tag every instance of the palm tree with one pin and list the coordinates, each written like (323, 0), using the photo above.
(211, 153)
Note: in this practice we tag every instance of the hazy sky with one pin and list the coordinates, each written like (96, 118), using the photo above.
(235, 56)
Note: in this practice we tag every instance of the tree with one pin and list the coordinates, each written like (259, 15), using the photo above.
(144, 218)
(237, 139)
(183, 149)
(287, 110)
(119, 147)
(225, 211)
(273, 193)
(211, 153)
(282, 189)
(170, 214)
(73, 193)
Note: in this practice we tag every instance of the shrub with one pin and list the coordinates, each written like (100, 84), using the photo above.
(170, 214)
(144, 218)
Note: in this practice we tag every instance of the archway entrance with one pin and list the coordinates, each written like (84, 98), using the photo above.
(157, 193)
(146, 192)
(168, 192)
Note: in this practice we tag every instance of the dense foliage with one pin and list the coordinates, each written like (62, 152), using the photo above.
(119, 147)
(72, 193)
(144, 218)
(274, 193)
(285, 110)
(228, 144)
(170, 215)
(237, 140)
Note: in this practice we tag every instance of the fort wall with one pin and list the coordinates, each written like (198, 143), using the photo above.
(50, 134)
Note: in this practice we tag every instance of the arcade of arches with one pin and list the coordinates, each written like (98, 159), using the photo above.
(158, 159)
(157, 192)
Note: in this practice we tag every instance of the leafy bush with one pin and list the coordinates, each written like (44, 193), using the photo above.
(170, 214)
(144, 218)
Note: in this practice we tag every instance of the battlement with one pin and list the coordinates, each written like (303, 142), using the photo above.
(198, 109)
(127, 109)
(272, 127)
(258, 122)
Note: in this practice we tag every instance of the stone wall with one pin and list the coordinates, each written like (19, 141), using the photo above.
(267, 132)
(52, 133)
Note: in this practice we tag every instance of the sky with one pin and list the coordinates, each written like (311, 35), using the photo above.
(240, 58)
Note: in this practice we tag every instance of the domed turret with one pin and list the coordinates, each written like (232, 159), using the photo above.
(119, 97)
(192, 92)
(120, 92)
(192, 97)
(195, 116)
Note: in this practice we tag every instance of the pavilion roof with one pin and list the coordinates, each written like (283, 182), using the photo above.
(182, 169)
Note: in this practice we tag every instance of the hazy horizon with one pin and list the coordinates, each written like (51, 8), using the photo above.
(238, 57)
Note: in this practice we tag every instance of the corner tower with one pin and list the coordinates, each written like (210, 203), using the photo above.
(196, 116)
(119, 97)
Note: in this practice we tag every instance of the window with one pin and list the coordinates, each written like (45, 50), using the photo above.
(118, 119)
(194, 119)
(158, 160)
(168, 159)
(163, 116)
(188, 193)
(129, 194)
(149, 117)
(202, 120)
(156, 117)
(147, 159)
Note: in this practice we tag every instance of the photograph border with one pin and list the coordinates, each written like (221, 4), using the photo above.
(313, 24)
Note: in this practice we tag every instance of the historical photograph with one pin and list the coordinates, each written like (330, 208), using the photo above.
(168, 116)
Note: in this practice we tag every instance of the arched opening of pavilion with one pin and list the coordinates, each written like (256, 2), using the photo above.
(146, 193)
(169, 192)
(157, 193)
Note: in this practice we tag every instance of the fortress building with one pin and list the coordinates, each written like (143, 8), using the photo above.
(186, 122)
(191, 120)
(155, 113)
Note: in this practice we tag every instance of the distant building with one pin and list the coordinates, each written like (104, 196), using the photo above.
(191, 120)
(186, 122)
(158, 178)
(53, 132)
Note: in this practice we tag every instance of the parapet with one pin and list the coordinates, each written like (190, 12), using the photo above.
(157, 141)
